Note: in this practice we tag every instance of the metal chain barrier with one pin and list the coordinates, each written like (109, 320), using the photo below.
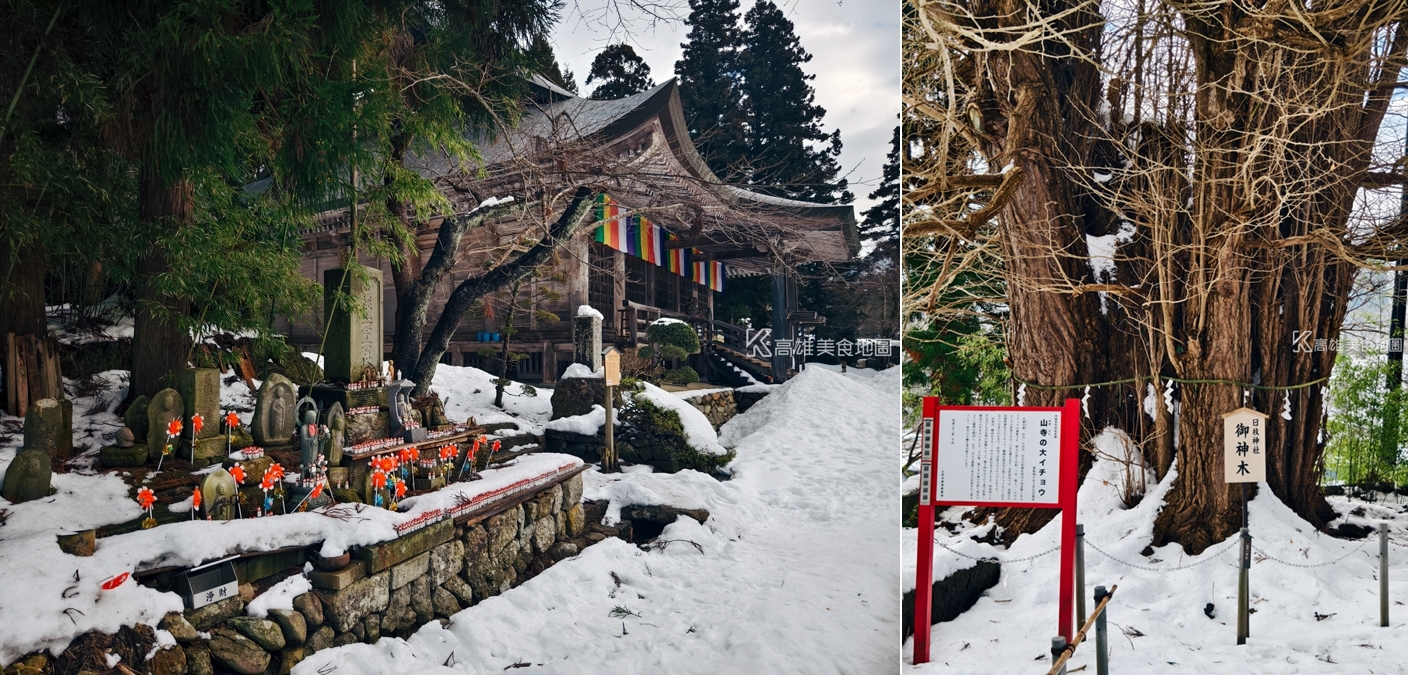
(1148, 568)
(1268, 556)
(998, 560)
(1163, 569)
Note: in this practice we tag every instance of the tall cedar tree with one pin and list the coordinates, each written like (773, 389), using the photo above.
(621, 73)
(540, 53)
(788, 153)
(710, 81)
(881, 224)
(176, 92)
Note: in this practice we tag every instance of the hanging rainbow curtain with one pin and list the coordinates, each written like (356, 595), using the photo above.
(708, 273)
(677, 259)
(612, 230)
(643, 239)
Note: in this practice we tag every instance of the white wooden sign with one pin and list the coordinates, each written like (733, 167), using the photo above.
(999, 456)
(1244, 446)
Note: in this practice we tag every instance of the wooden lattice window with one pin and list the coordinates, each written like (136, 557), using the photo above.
(601, 278)
(638, 277)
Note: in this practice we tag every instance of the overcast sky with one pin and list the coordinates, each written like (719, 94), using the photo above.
(855, 48)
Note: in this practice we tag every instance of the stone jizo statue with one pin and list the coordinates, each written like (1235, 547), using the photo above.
(311, 437)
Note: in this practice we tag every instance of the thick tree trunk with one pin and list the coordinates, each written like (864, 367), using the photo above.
(159, 344)
(21, 297)
(1208, 291)
(414, 293)
(410, 304)
(470, 290)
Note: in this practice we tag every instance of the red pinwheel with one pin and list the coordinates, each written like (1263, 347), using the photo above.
(400, 489)
(195, 499)
(378, 480)
(276, 470)
(146, 498)
(447, 452)
(197, 423)
(114, 582)
(237, 472)
(496, 446)
(173, 428)
(231, 420)
(317, 490)
(267, 483)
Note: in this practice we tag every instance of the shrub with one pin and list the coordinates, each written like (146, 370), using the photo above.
(683, 375)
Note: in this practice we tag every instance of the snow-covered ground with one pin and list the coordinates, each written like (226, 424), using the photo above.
(795, 570)
(1315, 597)
(38, 582)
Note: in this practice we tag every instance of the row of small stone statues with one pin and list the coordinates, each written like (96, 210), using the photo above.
(148, 421)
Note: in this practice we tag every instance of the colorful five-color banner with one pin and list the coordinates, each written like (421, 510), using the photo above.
(637, 236)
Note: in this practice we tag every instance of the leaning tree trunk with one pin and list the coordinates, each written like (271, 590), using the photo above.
(159, 343)
(463, 298)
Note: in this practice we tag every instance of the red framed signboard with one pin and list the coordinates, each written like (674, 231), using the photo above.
(1002, 457)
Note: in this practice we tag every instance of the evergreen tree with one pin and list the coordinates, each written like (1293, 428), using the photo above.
(544, 62)
(710, 83)
(621, 73)
(881, 224)
(789, 155)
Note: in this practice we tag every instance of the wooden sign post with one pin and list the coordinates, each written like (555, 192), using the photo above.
(1244, 461)
(1002, 457)
(611, 371)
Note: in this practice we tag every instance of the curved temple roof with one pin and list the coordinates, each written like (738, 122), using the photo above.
(556, 118)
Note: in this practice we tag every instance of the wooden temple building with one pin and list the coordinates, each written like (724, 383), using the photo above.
(668, 236)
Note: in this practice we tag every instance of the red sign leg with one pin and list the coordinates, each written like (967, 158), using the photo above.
(924, 584)
(1070, 484)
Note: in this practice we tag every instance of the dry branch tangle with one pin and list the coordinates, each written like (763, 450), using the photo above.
(1232, 139)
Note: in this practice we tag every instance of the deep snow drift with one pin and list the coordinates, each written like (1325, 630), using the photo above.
(1320, 619)
(794, 572)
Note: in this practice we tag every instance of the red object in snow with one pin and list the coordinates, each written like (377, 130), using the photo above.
(195, 499)
(1068, 482)
(496, 445)
(400, 489)
(146, 498)
(114, 582)
(197, 423)
(173, 428)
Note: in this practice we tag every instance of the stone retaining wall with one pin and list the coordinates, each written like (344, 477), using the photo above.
(718, 406)
(391, 588)
(743, 400)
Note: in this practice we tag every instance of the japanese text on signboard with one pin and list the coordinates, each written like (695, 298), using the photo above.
(998, 456)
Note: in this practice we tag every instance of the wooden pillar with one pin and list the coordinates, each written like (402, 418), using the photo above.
(779, 326)
(549, 363)
(618, 289)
